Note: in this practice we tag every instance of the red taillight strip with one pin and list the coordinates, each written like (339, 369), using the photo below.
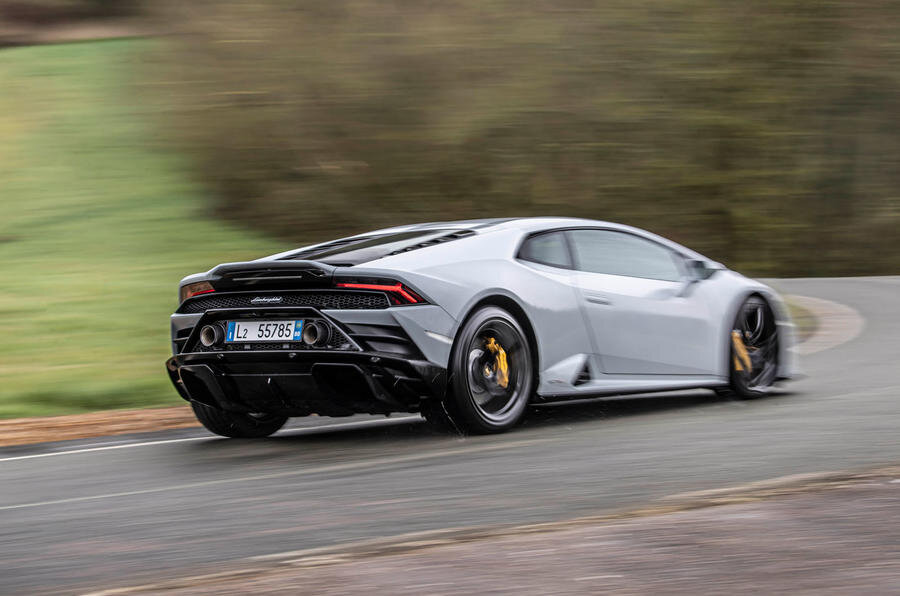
(192, 294)
(398, 288)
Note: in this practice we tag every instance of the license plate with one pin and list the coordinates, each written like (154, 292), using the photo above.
(239, 331)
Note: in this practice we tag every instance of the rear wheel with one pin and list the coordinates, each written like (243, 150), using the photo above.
(237, 425)
(492, 374)
(754, 349)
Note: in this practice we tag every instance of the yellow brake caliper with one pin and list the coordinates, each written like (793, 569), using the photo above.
(501, 368)
(741, 357)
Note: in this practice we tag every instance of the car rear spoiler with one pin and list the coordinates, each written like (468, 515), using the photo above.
(252, 275)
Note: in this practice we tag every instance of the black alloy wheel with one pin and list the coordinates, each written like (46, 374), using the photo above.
(754, 349)
(492, 374)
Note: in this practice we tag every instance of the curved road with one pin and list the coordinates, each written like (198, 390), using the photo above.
(81, 515)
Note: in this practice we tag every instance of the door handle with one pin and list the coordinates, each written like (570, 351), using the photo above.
(598, 299)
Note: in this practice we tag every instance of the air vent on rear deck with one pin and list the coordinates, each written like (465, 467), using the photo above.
(434, 241)
(256, 276)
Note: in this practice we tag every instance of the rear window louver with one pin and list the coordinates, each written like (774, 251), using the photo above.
(328, 246)
(434, 241)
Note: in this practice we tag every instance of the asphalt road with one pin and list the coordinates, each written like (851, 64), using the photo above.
(104, 513)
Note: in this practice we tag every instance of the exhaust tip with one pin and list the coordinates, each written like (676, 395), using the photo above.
(210, 335)
(316, 334)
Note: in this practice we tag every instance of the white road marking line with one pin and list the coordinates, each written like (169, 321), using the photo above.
(91, 449)
(103, 443)
(290, 431)
(843, 396)
(367, 464)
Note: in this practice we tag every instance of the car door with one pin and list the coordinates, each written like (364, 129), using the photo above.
(644, 318)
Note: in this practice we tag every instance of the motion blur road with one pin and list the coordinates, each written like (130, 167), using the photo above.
(121, 511)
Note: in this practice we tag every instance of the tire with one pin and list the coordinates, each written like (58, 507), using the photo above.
(237, 425)
(491, 374)
(437, 416)
(755, 324)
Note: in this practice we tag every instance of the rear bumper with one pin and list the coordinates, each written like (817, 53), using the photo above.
(306, 382)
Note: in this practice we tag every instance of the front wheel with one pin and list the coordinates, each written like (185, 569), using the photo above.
(237, 425)
(754, 349)
(492, 373)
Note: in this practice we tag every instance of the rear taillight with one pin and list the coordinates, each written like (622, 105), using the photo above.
(191, 290)
(396, 291)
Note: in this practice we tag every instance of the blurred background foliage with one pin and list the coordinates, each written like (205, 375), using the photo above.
(59, 11)
(764, 134)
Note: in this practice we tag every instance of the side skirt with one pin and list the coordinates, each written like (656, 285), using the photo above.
(630, 384)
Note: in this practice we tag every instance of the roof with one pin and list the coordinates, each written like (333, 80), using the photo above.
(493, 224)
(498, 222)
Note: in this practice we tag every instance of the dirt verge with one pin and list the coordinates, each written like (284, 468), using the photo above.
(21, 431)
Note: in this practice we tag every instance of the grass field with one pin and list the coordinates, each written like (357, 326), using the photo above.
(98, 222)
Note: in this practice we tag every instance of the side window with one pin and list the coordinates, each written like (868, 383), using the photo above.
(619, 253)
(547, 249)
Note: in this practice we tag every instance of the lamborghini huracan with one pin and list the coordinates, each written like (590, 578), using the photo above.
(468, 323)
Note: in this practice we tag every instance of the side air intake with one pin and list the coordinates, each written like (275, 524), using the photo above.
(584, 376)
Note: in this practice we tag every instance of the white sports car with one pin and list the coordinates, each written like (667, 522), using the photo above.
(468, 322)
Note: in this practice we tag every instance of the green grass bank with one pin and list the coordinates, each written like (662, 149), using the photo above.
(98, 222)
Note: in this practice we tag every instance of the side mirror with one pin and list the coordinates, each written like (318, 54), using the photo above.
(698, 270)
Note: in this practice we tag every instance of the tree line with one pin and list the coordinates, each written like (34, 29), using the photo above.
(764, 134)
